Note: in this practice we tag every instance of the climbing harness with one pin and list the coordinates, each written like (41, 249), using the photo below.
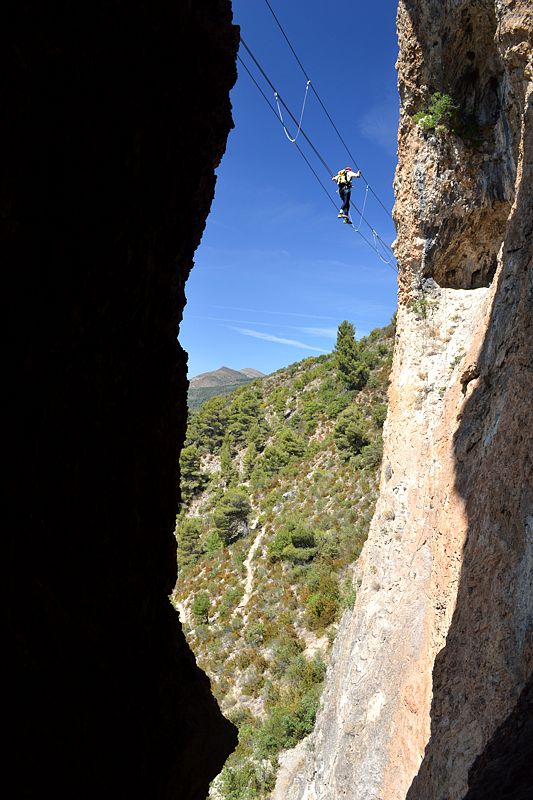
(289, 137)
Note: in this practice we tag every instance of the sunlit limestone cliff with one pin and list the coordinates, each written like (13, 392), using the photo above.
(428, 694)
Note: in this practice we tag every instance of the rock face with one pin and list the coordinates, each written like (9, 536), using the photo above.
(430, 672)
(115, 117)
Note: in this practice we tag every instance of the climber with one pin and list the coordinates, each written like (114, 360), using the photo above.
(344, 181)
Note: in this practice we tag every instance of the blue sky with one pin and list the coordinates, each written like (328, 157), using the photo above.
(276, 271)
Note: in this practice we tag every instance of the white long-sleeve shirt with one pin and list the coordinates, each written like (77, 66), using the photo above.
(345, 176)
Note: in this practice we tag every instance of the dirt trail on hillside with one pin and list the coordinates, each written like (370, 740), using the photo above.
(250, 570)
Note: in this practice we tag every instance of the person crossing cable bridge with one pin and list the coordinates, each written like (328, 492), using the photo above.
(343, 179)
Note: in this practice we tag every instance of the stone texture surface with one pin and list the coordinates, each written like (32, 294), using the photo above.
(435, 657)
(115, 116)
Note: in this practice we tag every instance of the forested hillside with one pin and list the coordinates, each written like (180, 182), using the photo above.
(279, 481)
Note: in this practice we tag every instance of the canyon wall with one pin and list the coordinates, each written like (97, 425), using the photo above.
(115, 116)
(428, 696)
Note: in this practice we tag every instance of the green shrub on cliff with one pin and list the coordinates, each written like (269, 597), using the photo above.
(444, 116)
(440, 115)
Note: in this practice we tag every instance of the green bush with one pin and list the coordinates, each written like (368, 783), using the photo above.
(246, 782)
(443, 116)
(288, 724)
(440, 116)
(244, 416)
(351, 431)
(255, 633)
(371, 454)
(188, 530)
(200, 608)
(323, 601)
(228, 470)
(287, 446)
(379, 414)
(213, 543)
(249, 460)
(293, 542)
(230, 516)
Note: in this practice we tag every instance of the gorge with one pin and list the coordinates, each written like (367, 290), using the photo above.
(116, 121)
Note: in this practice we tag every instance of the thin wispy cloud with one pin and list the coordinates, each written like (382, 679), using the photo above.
(326, 333)
(279, 313)
(270, 337)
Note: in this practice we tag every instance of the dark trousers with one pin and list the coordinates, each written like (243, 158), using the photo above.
(345, 192)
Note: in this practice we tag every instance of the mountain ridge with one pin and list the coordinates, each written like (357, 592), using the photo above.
(219, 381)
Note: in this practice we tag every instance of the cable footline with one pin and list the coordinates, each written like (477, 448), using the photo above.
(280, 26)
(304, 134)
(324, 188)
(285, 106)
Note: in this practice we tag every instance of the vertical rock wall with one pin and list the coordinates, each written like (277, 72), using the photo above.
(430, 672)
(114, 118)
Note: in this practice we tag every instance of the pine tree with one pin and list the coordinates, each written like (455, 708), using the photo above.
(351, 368)
(192, 479)
(249, 459)
(200, 608)
(188, 532)
(228, 471)
(230, 517)
(351, 431)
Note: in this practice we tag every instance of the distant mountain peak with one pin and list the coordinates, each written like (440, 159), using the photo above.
(218, 381)
(252, 373)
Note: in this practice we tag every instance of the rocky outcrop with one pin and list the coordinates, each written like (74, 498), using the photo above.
(431, 668)
(115, 116)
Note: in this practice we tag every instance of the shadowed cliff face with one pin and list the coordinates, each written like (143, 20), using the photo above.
(115, 118)
(480, 674)
(503, 769)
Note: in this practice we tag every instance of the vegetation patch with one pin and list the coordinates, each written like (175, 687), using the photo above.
(444, 117)
(291, 458)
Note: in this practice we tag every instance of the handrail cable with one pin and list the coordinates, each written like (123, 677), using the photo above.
(287, 134)
(267, 101)
(304, 134)
(280, 26)
(285, 106)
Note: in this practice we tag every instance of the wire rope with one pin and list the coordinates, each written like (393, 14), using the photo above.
(362, 212)
(373, 246)
(280, 26)
(285, 106)
(304, 134)
(289, 137)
